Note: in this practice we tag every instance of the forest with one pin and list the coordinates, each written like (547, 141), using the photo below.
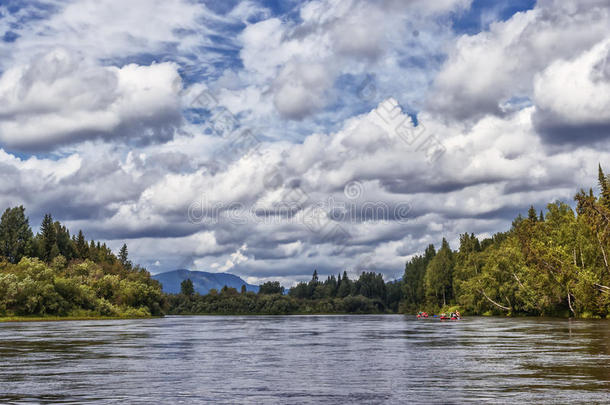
(550, 263)
(554, 263)
(368, 294)
(55, 274)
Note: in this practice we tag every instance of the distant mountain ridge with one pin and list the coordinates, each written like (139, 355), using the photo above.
(203, 281)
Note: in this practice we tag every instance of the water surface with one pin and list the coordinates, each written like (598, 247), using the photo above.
(305, 359)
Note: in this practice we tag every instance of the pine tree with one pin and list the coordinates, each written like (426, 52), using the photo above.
(48, 233)
(531, 214)
(123, 255)
(81, 246)
(541, 218)
(64, 242)
(604, 186)
(345, 288)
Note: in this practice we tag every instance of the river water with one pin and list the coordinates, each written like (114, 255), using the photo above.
(305, 359)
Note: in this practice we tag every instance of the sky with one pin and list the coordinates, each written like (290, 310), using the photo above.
(271, 138)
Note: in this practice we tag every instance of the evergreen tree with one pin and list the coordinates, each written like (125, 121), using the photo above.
(123, 255)
(604, 186)
(345, 288)
(15, 234)
(81, 246)
(531, 214)
(311, 287)
(64, 242)
(48, 233)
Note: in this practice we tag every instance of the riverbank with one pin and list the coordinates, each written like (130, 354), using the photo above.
(68, 318)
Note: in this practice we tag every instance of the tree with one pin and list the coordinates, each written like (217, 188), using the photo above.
(48, 234)
(413, 278)
(439, 276)
(15, 234)
(124, 256)
(93, 251)
(531, 214)
(345, 288)
(271, 287)
(243, 289)
(311, 287)
(186, 287)
(604, 186)
(82, 249)
(64, 242)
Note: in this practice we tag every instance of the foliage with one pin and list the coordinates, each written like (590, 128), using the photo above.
(270, 287)
(553, 264)
(368, 294)
(54, 274)
(186, 287)
(15, 234)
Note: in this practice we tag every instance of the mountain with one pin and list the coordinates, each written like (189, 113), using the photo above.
(202, 281)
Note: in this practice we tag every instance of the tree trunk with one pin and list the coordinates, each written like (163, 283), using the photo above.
(574, 254)
(518, 281)
(570, 304)
(603, 251)
(494, 302)
(602, 288)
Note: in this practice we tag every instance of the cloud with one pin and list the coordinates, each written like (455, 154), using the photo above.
(573, 98)
(300, 89)
(236, 258)
(102, 30)
(58, 99)
(488, 172)
(304, 59)
(485, 73)
(127, 160)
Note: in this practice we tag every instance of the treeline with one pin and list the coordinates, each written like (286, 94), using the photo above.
(368, 294)
(54, 273)
(552, 263)
(549, 263)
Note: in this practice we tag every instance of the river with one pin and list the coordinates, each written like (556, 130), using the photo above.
(305, 359)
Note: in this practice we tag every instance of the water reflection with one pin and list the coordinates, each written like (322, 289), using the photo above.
(305, 359)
